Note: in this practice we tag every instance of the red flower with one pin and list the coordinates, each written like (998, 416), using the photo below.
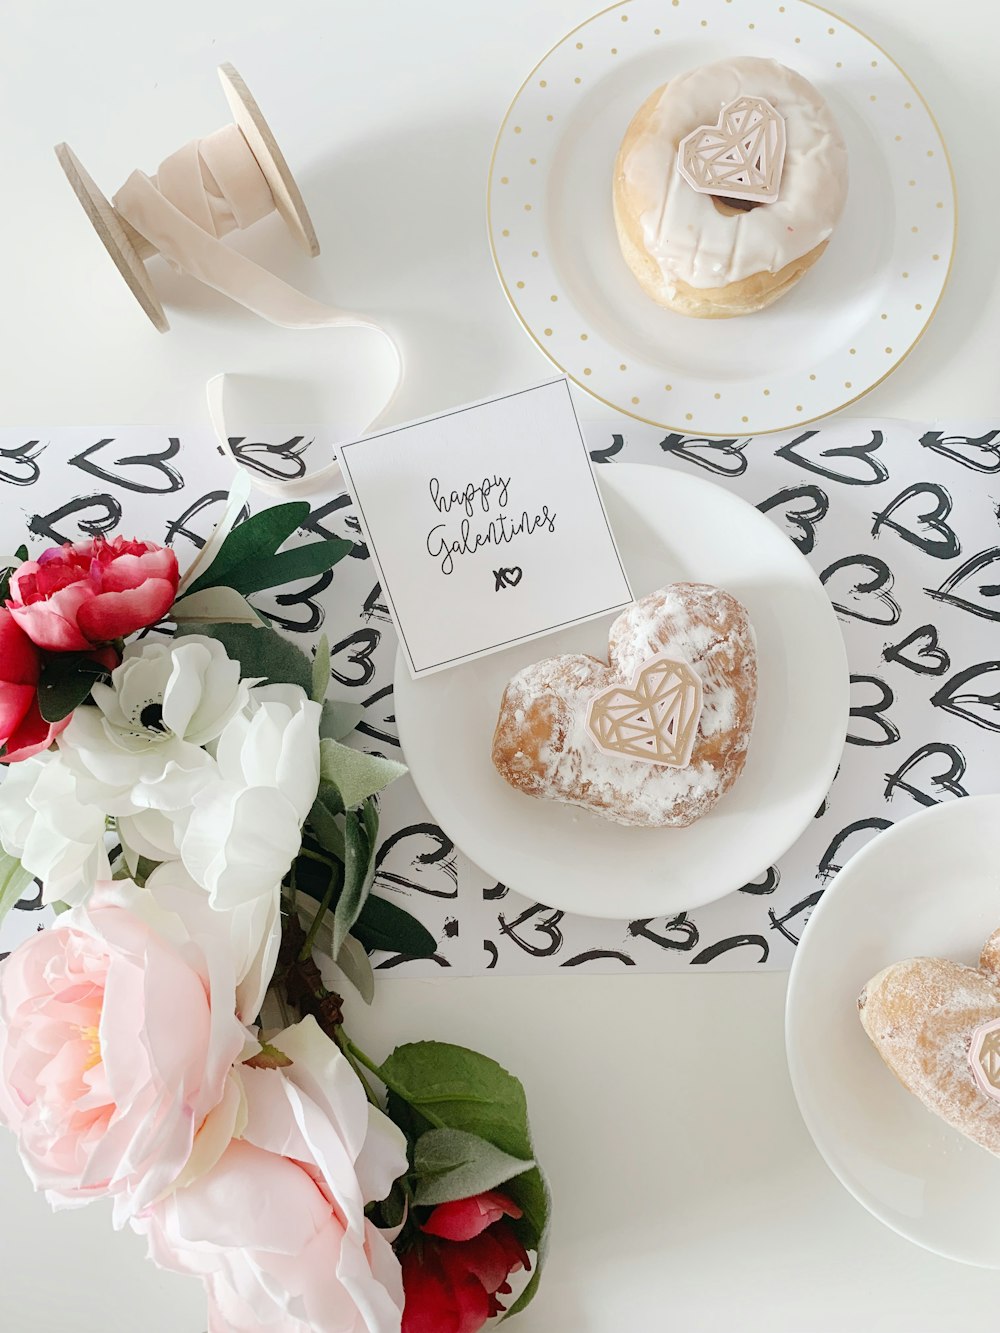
(23, 730)
(464, 1218)
(452, 1281)
(75, 596)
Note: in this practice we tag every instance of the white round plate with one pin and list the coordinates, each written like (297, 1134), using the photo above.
(929, 886)
(669, 528)
(842, 330)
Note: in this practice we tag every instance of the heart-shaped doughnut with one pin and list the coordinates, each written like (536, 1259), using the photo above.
(656, 735)
(936, 1024)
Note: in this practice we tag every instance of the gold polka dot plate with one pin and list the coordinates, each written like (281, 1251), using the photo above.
(842, 330)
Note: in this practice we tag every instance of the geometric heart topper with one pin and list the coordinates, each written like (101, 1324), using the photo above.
(984, 1058)
(655, 718)
(741, 157)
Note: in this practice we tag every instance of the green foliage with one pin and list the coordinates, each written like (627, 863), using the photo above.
(321, 670)
(339, 718)
(249, 559)
(261, 652)
(451, 1164)
(14, 882)
(356, 966)
(360, 840)
(451, 1087)
(356, 775)
(20, 555)
(383, 925)
(65, 682)
(323, 820)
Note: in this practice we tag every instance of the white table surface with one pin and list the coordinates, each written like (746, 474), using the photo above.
(688, 1194)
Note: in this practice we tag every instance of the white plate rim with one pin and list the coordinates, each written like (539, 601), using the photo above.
(690, 426)
(401, 670)
(898, 831)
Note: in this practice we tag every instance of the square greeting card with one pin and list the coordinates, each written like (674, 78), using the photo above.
(486, 525)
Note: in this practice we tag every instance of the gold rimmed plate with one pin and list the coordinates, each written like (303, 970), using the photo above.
(846, 326)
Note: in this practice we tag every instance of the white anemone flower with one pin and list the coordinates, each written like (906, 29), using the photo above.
(58, 837)
(246, 827)
(139, 754)
(188, 688)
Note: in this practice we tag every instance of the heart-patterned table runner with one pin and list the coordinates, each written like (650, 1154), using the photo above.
(899, 520)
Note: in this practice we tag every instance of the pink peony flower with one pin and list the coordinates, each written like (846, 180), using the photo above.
(118, 1033)
(23, 730)
(75, 596)
(453, 1281)
(276, 1229)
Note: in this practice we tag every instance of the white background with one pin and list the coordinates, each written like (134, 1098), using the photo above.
(688, 1195)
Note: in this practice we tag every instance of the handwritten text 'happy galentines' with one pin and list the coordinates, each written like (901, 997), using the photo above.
(476, 518)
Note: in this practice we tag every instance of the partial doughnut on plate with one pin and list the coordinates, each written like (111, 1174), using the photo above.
(548, 744)
(923, 1017)
(710, 255)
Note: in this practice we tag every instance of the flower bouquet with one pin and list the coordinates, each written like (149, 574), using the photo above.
(179, 786)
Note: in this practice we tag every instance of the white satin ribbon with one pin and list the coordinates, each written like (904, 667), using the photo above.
(206, 189)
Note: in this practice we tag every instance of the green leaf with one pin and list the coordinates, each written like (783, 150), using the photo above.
(329, 834)
(66, 680)
(259, 536)
(302, 562)
(20, 555)
(339, 719)
(359, 871)
(356, 966)
(236, 507)
(383, 925)
(532, 1195)
(452, 1087)
(312, 876)
(268, 1057)
(451, 1164)
(393, 1207)
(14, 882)
(321, 670)
(355, 774)
(260, 652)
(248, 560)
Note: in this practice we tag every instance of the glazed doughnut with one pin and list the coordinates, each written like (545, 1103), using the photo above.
(698, 253)
(544, 744)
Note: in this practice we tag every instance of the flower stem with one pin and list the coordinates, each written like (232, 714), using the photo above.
(348, 1049)
(356, 1055)
(306, 951)
(315, 856)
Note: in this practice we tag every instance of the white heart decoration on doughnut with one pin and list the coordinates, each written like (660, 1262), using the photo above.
(741, 156)
(984, 1058)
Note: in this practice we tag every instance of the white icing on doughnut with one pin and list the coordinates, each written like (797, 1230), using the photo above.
(690, 239)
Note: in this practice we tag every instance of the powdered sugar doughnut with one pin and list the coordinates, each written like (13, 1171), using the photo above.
(544, 745)
(922, 1016)
(697, 253)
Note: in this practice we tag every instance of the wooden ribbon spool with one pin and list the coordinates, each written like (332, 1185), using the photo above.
(129, 250)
